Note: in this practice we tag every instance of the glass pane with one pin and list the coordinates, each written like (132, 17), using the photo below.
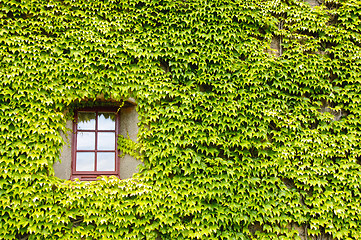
(85, 141)
(86, 120)
(85, 161)
(106, 141)
(106, 161)
(106, 121)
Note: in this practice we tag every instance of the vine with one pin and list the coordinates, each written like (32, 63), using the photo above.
(127, 146)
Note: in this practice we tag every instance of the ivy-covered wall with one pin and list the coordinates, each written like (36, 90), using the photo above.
(237, 142)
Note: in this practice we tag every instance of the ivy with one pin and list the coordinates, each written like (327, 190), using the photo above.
(249, 118)
(127, 146)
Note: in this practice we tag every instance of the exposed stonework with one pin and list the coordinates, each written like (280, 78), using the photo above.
(63, 169)
(275, 46)
(129, 125)
(327, 107)
(314, 3)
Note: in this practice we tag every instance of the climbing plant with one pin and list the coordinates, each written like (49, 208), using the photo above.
(249, 118)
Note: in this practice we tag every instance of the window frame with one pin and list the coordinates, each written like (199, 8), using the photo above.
(92, 175)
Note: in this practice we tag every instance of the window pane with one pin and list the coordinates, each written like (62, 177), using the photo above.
(106, 121)
(86, 120)
(106, 141)
(106, 161)
(85, 161)
(85, 141)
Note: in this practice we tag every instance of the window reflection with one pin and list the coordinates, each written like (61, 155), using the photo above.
(106, 121)
(86, 120)
(106, 141)
(85, 161)
(106, 161)
(85, 141)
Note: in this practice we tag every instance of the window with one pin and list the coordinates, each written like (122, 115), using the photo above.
(94, 145)
(91, 143)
